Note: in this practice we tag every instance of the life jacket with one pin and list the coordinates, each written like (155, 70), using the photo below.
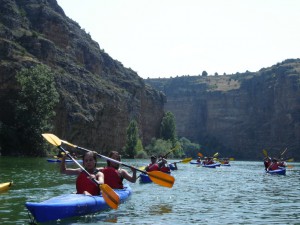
(274, 166)
(112, 177)
(165, 169)
(83, 183)
(152, 167)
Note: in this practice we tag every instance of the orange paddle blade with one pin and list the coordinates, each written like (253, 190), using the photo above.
(200, 154)
(161, 178)
(110, 196)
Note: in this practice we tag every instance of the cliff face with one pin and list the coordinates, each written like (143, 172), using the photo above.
(242, 114)
(98, 95)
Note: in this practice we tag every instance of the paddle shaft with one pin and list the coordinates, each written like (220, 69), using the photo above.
(110, 159)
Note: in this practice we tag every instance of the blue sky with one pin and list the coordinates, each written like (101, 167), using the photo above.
(166, 38)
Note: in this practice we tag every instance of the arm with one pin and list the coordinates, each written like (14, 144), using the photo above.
(68, 171)
(127, 176)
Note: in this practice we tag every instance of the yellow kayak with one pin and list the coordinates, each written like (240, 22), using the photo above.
(5, 186)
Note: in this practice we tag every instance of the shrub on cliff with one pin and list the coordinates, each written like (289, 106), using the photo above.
(34, 109)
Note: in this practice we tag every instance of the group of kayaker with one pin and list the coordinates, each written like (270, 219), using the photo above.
(160, 165)
(111, 175)
(273, 163)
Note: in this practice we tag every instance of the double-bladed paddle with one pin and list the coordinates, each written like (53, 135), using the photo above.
(110, 196)
(157, 177)
(186, 160)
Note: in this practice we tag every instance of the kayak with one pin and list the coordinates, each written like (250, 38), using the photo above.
(212, 165)
(70, 205)
(195, 162)
(225, 164)
(5, 186)
(144, 178)
(280, 171)
(172, 167)
(67, 160)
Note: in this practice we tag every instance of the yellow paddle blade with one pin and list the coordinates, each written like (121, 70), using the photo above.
(265, 152)
(290, 160)
(200, 154)
(186, 160)
(52, 139)
(142, 168)
(231, 159)
(161, 178)
(68, 143)
(216, 155)
(110, 196)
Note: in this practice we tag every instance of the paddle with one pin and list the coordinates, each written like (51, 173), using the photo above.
(265, 153)
(186, 160)
(200, 154)
(157, 177)
(110, 196)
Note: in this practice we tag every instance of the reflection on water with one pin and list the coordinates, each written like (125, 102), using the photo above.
(240, 194)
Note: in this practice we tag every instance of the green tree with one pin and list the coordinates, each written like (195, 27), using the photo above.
(132, 139)
(35, 108)
(168, 128)
(204, 73)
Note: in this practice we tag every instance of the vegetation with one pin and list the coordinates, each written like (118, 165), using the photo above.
(168, 128)
(133, 144)
(34, 110)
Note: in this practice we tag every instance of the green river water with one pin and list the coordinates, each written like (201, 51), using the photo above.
(240, 194)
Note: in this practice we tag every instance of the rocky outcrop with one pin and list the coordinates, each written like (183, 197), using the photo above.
(239, 114)
(98, 95)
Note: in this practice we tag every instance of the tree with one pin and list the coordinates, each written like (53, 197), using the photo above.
(132, 139)
(168, 128)
(204, 73)
(34, 108)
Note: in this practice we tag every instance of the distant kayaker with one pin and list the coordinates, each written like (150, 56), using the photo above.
(267, 162)
(114, 175)
(84, 183)
(199, 160)
(274, 165)
(163, 165)
(153, 166)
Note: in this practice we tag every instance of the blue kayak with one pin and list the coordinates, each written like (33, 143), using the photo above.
(195, 162)
(280, 171)
(70, 205)
(67, 160)
(212, 165)
(144, 178)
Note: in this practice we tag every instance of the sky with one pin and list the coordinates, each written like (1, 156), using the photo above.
(169, 38)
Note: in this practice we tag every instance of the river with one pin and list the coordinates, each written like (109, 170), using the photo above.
(240, 194)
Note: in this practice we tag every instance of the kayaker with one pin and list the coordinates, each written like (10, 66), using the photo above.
(274, 165)
(267, 162)
(84, 183)
(199, 160)
(114, 175)
(153, 166)
(163, 165)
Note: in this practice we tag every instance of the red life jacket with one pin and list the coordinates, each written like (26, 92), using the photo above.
(152, 167)
(165, 169)
(83, 183)
(274, 166)
(112, 178)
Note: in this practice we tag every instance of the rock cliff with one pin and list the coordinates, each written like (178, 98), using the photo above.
(98, 95)
(241, 114)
